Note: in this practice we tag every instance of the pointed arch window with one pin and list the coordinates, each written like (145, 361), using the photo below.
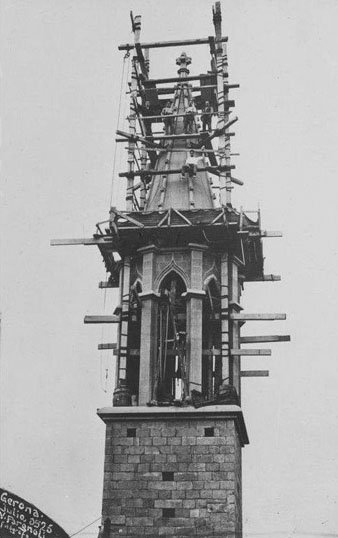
(170, 379)
(211, 340)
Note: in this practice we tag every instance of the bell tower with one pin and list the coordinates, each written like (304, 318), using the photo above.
(180, 254)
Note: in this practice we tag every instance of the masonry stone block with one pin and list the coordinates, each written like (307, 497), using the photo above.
(206, 487)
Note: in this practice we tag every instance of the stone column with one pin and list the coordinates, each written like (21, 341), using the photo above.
(148, 326)
(234, 306)
(148, 348)
(194, 298)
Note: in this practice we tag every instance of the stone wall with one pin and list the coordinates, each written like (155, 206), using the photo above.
(173, 478)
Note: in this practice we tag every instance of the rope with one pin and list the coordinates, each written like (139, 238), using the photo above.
(124, 80)
(105, 381)
(126, 56)
(83, 528)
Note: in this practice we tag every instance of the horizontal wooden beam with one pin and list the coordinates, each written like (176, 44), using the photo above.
(212, 76)
(250, 352)
(260, 339)
(186, 150)
(159, 116)
(152, 81)
(264, 233)
(169, 137)
(266, 278)
(231, 86)
(107, 346)
(260, 233)
(102, 319)
(131, 352)
(103, 285)
(172, 89)
(178, 171)
(203, 135)
(254, 373)
(171, 352)
(182, 136)
(89, 241)
(162, 44)
(257, 317)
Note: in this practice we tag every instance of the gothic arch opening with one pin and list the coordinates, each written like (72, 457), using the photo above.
(211, 340)
(170, 379)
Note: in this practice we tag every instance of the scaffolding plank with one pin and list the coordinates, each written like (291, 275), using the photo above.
(211, 169)
(260, 339)
(251, 352)
(257, 317)
(152, 81)
(266, 278)
(79, 241)
(182, 136)
(254, 373)
(102, 319)
(107, 346)
(176, 43)
(131, 352)
(172, 89)
(265, 233)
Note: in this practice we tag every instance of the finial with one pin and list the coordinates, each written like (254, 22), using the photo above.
(183, 61)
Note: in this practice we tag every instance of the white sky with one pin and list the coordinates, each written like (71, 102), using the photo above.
(61, 79)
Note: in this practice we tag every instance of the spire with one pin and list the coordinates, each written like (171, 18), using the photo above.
(180, 190)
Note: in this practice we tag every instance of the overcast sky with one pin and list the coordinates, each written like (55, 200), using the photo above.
(61, 75)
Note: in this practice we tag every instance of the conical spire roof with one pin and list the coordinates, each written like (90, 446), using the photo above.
(175, 190)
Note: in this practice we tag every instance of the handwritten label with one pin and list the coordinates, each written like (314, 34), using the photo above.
(20, 518)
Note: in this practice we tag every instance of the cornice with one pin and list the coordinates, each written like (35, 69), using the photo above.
(144, 413)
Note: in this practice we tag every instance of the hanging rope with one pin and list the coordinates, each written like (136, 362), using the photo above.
(83, 528)
(104, 370)
(126, 57)
(104, 381)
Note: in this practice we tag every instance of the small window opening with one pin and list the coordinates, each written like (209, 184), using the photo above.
(209, 432)
(167, 476)
(168, 512)
(131, 432)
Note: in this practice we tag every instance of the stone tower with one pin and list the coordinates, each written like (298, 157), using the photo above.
(180, 255)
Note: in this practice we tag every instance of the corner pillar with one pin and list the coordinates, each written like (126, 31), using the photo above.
(194, 298)
(225, 344)
(149, 313)
(234, 306)
(148, 347)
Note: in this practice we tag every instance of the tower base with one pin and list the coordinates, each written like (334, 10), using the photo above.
(173, 472)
